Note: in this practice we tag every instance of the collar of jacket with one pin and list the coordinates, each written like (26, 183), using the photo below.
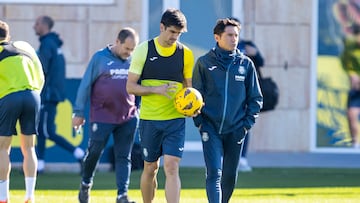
(224, 57)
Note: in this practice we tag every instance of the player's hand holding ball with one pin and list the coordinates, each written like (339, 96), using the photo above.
(188, 101)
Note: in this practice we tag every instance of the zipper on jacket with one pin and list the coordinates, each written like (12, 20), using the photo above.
(225, 100)
(226, 95)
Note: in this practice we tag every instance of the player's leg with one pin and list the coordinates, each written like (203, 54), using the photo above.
(28, 124)
(41, 141)
(10, 111)
(47, 130)
(123, 141)
(50, 131)
(232, 151)
(173, 146)
(212, 151)
(148, 182)
(172, 183)
(99, 136)
(353, 116)
(5, 166)
(150, 141)
(29, 164)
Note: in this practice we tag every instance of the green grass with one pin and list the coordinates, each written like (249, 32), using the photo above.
(261, 185)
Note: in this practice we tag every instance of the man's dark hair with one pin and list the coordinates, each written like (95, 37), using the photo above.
(125, 33)
(4, 30)
(48, 21)
(174, 17)
(236, 19)
(222, 23)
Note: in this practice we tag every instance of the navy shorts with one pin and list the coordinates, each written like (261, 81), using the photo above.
(23, 106)
(354, 98)
(159, 138)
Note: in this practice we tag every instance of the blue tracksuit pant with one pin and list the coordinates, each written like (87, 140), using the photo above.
(123, 135)
(47, 130)
(221, 155)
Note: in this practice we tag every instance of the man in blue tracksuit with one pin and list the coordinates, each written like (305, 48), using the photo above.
(228, 82)
(53, 62)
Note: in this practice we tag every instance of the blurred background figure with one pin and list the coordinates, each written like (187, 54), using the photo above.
(347, 13)
(350, 58)
(53, 62)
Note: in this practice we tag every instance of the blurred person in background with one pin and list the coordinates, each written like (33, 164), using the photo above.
(350, 58)
(53, 62)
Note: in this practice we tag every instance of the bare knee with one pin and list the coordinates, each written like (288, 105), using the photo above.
(151, 168)
(171, 165)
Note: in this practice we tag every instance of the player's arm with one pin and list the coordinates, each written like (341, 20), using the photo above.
(188, 67)
(77, 122)
(133, 87)
(84, 91)
(39, 73)
(188, 82)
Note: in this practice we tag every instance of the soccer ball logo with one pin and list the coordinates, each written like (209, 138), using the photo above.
(188, 101)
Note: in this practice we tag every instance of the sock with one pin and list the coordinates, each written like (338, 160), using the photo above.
(30, 183)
(4, 190)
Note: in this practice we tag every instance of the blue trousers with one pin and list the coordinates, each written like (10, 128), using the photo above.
(123, 135)
(47, 130)
(221, 154)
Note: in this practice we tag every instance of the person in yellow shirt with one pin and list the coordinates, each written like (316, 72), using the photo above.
(350, 59)
(21, 81)
(160, 67)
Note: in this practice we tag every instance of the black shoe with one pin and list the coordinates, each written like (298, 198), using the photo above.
(84, 193)
(124, 199)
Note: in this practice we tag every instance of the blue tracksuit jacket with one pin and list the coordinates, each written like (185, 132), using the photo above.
(53, 62)
(229, 85)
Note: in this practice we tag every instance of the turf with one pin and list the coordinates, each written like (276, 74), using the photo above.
(261, 185)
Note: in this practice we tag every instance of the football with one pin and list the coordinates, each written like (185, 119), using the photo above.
(188, 101)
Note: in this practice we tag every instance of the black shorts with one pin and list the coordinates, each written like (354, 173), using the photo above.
(22, 106)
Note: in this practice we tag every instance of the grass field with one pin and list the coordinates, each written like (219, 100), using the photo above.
(278, 185)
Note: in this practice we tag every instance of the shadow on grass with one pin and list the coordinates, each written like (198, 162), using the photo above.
(192, 178)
